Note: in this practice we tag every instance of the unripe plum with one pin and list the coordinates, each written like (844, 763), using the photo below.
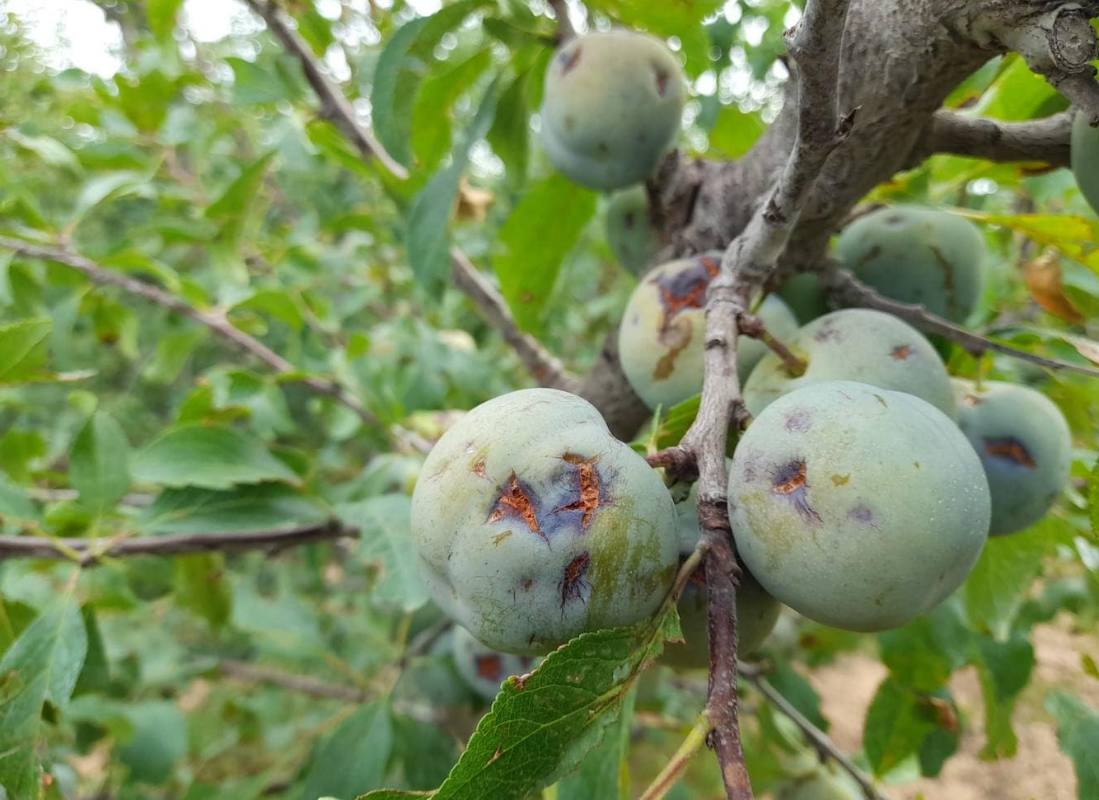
(856, 506)
(630, 232)
(756, 611)
(917, 255)
(1025, 445)
(612, 106)
(856, 344)
(533, 524)
(1085, 159)
(805, 296)
(483, 668)
(660, 341)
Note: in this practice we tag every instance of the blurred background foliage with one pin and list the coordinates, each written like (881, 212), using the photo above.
(205, 167)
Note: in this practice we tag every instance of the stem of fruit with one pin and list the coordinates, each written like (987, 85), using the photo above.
(753, 326)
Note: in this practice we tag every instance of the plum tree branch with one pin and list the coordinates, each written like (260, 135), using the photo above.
(539, 362)
(91, 552)
(848, 290)
(1042, 140)
(820, 741)
(815, 46)
(214, 319)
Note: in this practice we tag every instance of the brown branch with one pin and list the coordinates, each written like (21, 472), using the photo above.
(848, 290)
(1041, 140)
(815, 47)
(335, 104)
(91, 552)
(541, 364)
(303, 684)
(753, 326)
(820, 741)
(215, 320)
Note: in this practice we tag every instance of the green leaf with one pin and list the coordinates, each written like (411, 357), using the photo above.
(1074, 237)
(996, 587)
(200, 586)
(232, 206)
(268, 506)
(260, 84)
(1019, 94)
(801, 694)
(1003, 669)
(23, 349)
(385, 524)
(14, 503)
(354, 758)
(157, 742)
(208, 457)
(161, 15)
(604, 772)
(1078, 735)
(46, 148)
(99, 463)
(106, 187)
(509, 135)
(541, 729)
(535, 239)
(735, 132)
(172, 352)
(681, 19)
(923, 654)
(41, 666)
(431, 114)
(400, 68)
(895, 726)
(95, 672)
(427, 237)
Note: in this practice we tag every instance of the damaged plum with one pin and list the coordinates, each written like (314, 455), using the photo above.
(857, 506)
(917, 255)
(660, 341)
(483, 668)
(533, 524)
(1025, 446)
(611, 108)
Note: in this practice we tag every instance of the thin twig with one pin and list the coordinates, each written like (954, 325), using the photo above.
(753, 326)
(303, 684)
(849, 290)
(214, 319)
(91, 552)
(335, 104)
(539, 362)
(817, 738)
(673, 770)
(1040, 140)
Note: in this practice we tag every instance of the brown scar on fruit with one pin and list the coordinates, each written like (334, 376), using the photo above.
(661, 80)
(827, 333)
(901, 352)
(489, 667)
(971, 400)
(572, 582)
(500, 537)
(514, 502)
(881, 400)
(479, 467)
(1010, 449)
(840, 480)
(590, 488)
(792, 482)
(571, 60)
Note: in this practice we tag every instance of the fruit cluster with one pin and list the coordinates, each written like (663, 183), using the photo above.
(860, 496)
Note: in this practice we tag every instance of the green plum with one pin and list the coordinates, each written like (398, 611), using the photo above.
(757, 611)
(917, 255)
(856, 345)
(630, 232)
(611, 107)
(856, 506)
(805, 296)
(660, 341)
(533, 524)
(483, 668)
(1085, 159)
(1025, 445)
